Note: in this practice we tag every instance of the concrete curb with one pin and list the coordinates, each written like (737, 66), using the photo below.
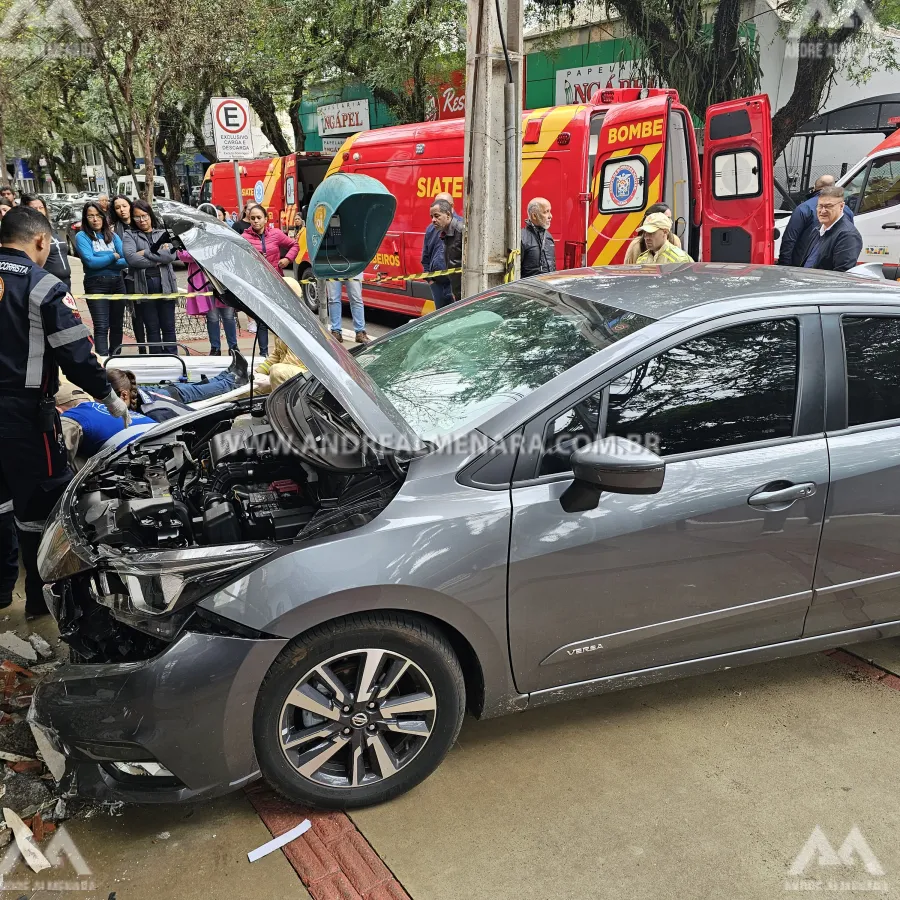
(333, 859)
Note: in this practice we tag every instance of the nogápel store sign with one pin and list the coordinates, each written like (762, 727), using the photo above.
(346, 117)
(578, 84)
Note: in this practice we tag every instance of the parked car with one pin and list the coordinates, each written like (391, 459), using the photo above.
(67, 223)
(584, 481)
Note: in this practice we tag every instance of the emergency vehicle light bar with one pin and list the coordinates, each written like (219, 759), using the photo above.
(629, 95)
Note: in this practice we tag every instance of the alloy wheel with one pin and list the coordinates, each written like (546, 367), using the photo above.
(357, 718)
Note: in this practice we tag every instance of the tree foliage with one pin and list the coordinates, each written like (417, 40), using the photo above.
(141, 81)
(709, 52)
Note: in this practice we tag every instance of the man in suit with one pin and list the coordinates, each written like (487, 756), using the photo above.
(802, 219)
(833, 243)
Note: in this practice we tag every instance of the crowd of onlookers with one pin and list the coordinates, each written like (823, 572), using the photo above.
(123, 249)
(121, 244)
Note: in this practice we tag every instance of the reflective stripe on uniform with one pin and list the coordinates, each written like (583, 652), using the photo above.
(69, 335)
(6, 507)
(31, 526)
(34, 371)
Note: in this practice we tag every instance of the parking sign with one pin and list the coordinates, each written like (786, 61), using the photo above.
(231, 127)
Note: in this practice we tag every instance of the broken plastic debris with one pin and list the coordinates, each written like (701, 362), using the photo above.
(54, 760)
(41, 646)
(16, 645)
(164, 835)
(279, 842)
(14, 757)
(46, 668)
(24, 840)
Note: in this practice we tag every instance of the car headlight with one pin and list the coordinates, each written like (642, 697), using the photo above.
(159, 582)
(57, 558)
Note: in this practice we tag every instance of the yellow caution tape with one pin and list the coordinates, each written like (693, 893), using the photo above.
(510, 266)
(420, 276)
(176, 296)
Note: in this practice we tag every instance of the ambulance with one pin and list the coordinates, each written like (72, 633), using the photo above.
(281, 184)
(600, 165)
(872, 191)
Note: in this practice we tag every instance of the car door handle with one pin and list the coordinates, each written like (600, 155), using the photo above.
(763, 498)
(894, 225)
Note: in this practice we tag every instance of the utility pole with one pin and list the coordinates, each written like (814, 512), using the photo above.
(493, 142)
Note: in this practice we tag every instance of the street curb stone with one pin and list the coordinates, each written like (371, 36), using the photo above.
(333, 859)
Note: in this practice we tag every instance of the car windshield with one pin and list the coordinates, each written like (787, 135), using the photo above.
(444, 371)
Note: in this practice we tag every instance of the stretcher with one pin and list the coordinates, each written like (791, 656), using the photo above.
(155, 368)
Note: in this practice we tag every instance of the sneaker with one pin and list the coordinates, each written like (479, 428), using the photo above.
(215, 351)
(338, 336)
(240, 368)
(362, 338)
(252, 326)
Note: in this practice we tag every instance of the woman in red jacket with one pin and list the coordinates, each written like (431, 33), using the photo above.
(276, 247)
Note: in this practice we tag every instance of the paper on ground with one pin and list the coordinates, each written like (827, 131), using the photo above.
(279, 842)
(24, 840)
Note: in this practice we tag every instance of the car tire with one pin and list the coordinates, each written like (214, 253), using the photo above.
(363, 764)
(310, 291)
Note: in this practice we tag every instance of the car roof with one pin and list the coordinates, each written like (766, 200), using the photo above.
(661, 291)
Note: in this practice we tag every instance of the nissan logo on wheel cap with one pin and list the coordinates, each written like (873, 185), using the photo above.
(359, 720)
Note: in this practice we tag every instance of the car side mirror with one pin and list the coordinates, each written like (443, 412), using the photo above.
(612, 464)
(776, 234)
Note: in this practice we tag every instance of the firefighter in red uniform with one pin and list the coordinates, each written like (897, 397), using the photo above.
(40, 332)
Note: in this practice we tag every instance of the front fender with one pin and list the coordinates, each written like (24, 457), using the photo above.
(450, 565)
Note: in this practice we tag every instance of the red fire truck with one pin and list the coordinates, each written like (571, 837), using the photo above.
(282, 184)
(600, 165)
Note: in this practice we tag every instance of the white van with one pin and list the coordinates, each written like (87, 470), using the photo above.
(127, 187)
(872, 191)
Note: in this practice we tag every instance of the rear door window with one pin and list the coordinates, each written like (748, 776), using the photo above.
(872, 351)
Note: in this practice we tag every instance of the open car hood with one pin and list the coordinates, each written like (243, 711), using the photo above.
(232, 262)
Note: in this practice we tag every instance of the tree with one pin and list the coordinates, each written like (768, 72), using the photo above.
(396, 47)
(832, 38)
(709, 52)
(146, 55)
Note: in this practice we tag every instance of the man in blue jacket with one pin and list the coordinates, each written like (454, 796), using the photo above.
(433, 260)
(797, 233)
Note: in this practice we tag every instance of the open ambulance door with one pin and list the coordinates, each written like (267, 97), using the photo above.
(628, 175)
(738, 183)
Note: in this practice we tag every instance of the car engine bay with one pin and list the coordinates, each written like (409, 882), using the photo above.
(229, 485)
(223, 486)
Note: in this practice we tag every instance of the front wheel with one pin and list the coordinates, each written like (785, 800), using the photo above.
(310, 291)
(358, 711)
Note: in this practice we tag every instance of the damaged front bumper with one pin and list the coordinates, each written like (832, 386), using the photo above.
(176, 727)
